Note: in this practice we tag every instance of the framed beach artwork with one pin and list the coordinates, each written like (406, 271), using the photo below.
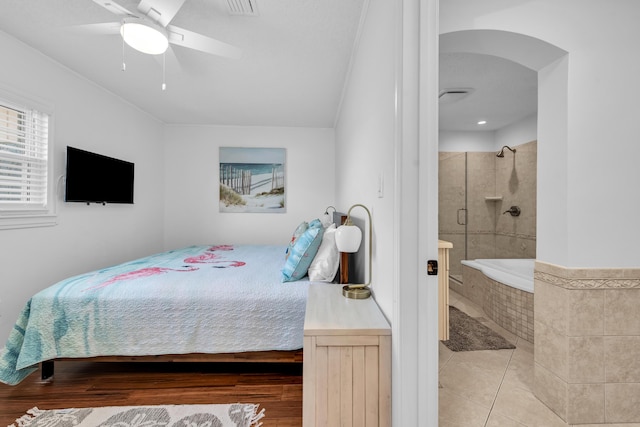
(252, 179)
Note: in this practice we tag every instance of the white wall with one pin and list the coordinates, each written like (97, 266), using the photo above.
(594, 202)
(86, 237)
(365, 136)
(191, 183)
(517, 133)
(520, 132)
(461, 141)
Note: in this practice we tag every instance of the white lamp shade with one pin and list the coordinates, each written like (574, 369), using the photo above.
(144, 37)
(348, 238)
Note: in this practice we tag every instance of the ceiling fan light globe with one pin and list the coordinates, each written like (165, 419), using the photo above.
(144, 37)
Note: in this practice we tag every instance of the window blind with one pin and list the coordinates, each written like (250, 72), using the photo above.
(24, 135)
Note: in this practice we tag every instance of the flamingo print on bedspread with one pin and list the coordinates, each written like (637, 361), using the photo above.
(209, 256)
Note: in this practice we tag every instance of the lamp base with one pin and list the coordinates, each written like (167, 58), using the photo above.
(356, 293)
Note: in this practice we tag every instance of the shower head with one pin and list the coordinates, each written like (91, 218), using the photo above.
(501, 152)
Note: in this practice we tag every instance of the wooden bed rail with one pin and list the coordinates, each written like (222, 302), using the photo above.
(275, 356)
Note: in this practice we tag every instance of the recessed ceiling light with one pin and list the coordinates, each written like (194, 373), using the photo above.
(482, 122)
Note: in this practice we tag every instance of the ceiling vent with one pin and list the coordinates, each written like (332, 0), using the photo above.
(242, 7)
(447, 96)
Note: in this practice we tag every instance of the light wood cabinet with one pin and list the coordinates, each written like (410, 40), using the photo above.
(443, 289)
(347, 361)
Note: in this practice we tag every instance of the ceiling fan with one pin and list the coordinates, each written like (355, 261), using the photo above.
(148, 30)
(151, 21)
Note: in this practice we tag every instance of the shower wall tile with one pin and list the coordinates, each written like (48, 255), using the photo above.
(515, 246)
(516, 181)
(451, 191)
(491, 234)
(480, 184)
(456, 253)
(481, 245)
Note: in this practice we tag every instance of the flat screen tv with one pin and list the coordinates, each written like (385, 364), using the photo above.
(94, 178)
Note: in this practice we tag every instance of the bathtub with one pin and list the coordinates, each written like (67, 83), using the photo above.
(517, 273)
(504, 290)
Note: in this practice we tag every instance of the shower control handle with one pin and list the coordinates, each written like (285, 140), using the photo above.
(513, 210)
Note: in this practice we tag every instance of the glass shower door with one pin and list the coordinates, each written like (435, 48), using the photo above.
(452, 212)
(465, 218)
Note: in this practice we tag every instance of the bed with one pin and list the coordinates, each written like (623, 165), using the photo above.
(195, 301)
(199, 303)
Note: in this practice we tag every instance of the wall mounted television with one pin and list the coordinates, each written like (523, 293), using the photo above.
(94, 178)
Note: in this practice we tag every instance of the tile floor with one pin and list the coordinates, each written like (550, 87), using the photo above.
(492, 388)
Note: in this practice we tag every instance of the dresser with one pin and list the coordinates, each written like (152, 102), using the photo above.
(347, 361)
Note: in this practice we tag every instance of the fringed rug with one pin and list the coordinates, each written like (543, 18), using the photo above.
(467, 334)
(233, 415)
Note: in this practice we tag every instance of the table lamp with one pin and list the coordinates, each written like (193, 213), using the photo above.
(348, 239)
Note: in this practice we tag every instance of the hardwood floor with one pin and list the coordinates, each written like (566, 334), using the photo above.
(277, 387)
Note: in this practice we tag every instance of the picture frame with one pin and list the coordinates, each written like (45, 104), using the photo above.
(252, 180)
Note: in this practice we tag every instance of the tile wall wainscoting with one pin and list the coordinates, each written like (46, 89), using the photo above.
(587, 343)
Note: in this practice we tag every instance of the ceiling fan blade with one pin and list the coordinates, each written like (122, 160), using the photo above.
(191, 40)
(105, 28)
(114, 8)
(161, 11)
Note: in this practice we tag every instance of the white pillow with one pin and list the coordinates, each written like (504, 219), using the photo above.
(325, 264)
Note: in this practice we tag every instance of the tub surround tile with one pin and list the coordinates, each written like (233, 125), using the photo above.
(511, 308)
(622, 359)
(586, 360)
(621, 312)
(587, 278)
(586, 313)
(622, 403)
(585, 403)
(551, 350)
(551, 390)
(587, 333)
(554, 309)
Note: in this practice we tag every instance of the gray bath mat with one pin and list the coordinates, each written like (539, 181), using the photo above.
(467, 334)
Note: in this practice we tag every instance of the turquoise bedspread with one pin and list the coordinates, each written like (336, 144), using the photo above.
(200, 299)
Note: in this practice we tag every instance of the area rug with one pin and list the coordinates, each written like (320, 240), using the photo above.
(468, 334)
(233, 415)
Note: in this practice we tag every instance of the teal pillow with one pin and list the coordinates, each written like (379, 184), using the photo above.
(296, 235)
(303, 251)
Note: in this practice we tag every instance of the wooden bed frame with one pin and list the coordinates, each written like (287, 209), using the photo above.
(275, 356)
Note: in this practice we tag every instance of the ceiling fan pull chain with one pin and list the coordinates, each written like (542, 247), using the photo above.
(164, 66)
(124, 66)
